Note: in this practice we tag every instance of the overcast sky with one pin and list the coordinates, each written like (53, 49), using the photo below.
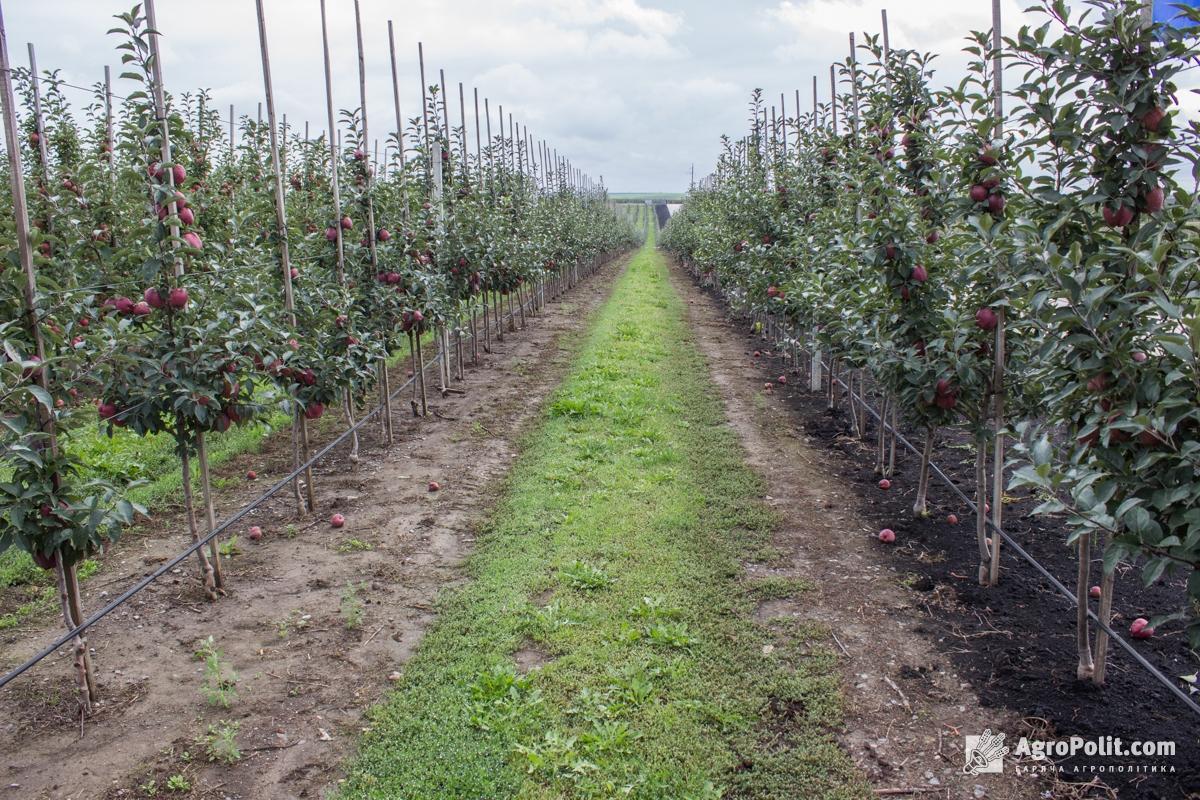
(633, 90)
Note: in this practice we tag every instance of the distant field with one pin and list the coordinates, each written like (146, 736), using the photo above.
(630, 197)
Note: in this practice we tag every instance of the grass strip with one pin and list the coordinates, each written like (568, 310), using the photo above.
(604, 646)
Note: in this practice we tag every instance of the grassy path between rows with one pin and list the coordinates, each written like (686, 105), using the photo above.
(614, 562)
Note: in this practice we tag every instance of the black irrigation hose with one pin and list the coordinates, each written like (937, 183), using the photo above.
(1055, 582)
(125, 596)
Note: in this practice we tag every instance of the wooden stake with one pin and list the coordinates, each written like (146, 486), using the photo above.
(478, 142)
(282, 238)
(371, 228)
(334, 155)
(424, 104)
(853, 86)
(833, 97)
(108, 117)
(39, 124)
(462, 131)
(399, 123)
(999, 344)
(887, 49)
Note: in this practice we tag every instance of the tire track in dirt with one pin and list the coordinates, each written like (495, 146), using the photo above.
(906, 710)
(305, 676)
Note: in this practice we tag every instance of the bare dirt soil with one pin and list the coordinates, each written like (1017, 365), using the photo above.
(907, 707)
(316, 619)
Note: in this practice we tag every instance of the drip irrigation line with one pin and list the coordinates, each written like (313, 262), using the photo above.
(167, 566)
(1037, 565)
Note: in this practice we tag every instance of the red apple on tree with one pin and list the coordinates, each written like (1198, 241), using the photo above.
(986, 319)
(1153, 118)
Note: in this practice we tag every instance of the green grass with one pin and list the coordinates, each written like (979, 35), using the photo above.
(616, 552)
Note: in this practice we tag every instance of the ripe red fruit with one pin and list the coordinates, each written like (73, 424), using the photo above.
(178, 298)
(889, 251)
(359, 154)
(341, 320)
(1139, 357)
(123, 305)
(347, 223)
(295, 273)
(251, 475)
(946, 402)
(887, 536)
(1140, 628)
(943, 386)
(140, 309)
(331, 234)
(107, 410)
(434, 486)
(919, 274)
(1153, 200)
(192, 240)
(1153, 118)
(988, 156)
(979, 193)
(153, 298)
(885, 484)
(1117, 218)
(383, 235)
(996, 203)
(255, 533)
(772, 291)
(179, 174)
(952, 519)
(337, 521)
(986, 319)
(1094, 592)
(187, 216)
(392, 277)
(782, 379)
(314, 410)
(933, 237)
(1150, 438)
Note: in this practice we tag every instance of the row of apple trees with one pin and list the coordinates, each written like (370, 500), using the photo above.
(161, 300)
(901, 244)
